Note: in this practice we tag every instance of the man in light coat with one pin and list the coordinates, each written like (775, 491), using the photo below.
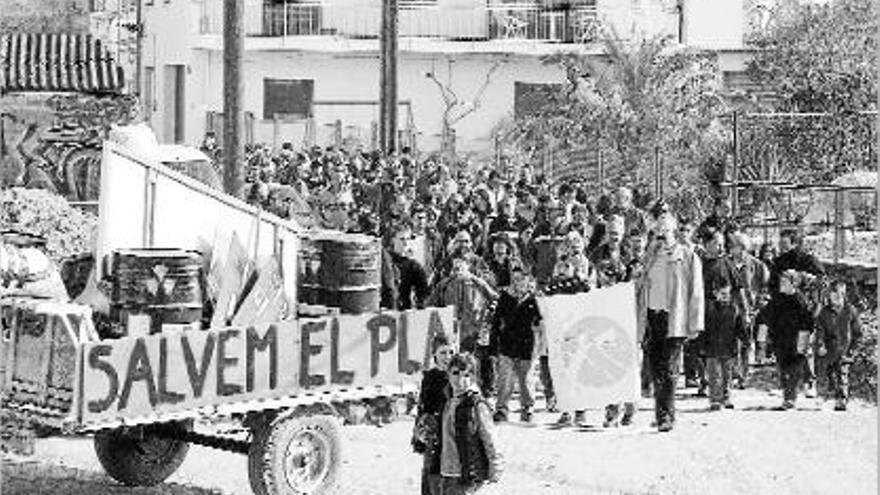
(671, 309)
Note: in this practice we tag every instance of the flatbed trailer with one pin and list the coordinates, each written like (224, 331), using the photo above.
(288, 385)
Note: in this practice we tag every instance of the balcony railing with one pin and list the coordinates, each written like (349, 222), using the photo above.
(443, 19)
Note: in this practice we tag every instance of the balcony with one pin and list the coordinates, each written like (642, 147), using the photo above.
(574, 21)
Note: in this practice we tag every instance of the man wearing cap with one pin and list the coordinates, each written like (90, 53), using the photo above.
(671, 288)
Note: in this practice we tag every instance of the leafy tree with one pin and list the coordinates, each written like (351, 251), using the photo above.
(635, 101)
(816, 58)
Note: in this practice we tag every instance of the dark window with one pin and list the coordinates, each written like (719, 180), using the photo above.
(289, 98)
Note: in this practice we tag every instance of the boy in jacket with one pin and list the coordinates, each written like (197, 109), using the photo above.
(514, 325)
(725, 328)
(468, 455)
(784, 318)
(838, 330)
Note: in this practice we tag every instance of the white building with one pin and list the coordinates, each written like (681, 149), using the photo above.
(319, 59)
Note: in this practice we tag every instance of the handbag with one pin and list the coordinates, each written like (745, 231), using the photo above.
(425, 435)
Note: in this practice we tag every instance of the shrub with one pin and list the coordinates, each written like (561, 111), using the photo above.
(863, 372)
(67, 230)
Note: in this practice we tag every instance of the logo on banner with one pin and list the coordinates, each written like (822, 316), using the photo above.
(599, 349)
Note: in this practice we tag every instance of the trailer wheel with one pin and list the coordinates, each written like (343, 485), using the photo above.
(144, 458)
(297, 455)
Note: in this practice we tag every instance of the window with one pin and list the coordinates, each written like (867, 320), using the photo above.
(289, 98)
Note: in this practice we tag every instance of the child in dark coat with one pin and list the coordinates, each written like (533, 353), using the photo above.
(468, 455)
(433, 394)
(788, 323)
(514, 325)
(725, 328)
(837, 332)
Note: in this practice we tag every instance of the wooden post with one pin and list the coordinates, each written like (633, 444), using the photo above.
(839, 233)
(311, 131)
(388, 77)
(233, 89)
(139, 58)
(276, 132)
(658, 186)
(337, 133)
(734, 200)
(497, 142)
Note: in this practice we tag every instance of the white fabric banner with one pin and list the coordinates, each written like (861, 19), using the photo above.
(591, 337)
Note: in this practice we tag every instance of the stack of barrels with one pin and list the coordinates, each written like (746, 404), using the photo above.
(340, 270)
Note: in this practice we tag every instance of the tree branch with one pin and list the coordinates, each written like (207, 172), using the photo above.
(478, 96)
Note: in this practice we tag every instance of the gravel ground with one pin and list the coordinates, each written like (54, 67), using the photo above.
(751, 450)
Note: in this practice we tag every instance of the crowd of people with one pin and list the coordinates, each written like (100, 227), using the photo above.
(489, 242)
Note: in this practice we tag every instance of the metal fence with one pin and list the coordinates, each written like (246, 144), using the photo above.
(424, 19)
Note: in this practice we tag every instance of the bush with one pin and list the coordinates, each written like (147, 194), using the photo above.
(863, 372)
(67, 230)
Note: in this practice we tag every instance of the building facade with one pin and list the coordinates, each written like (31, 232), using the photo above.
(311, 67)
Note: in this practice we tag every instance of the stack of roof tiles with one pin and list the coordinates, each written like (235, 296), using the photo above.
(57, 62)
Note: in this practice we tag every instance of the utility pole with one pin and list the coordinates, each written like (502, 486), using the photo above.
(139, 58)
(233, 89)
(388, 78)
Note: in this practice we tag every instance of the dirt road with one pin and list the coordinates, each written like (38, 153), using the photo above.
(751, 450)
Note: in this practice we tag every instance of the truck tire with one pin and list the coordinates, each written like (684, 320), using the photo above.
(297, 455)
(144, 459)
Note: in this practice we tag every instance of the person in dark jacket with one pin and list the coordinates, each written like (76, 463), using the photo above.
(508, 221)
(792, 256)
(433, 394)
(721, 220)
(468, 454)
(838, 330)
(718, 270)
(502, 257)
(725, 328)
(409, 276)
(516, 318)
(788, 323)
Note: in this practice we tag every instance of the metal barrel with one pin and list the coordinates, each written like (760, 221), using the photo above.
(341, 270)
(164, 285)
